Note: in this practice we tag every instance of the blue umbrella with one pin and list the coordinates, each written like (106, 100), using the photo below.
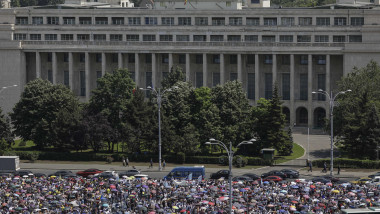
(266, 182)
(105, 205)
(243, 190)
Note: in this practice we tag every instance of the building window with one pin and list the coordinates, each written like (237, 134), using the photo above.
(233, 76)
(199, 38)
(67, 37)
(53, 20)
(286, 38)
(251, 86)
(236, 21)
(321, 59)
(150, 20)
(148, 58)
(131, 58)
(22, 20)
(233, 59)
(115, 57)
(37, 20)
(85, 20)
(255, 1)
(286, 59)
(65, 57)
(287, 21)
(216, 38)
(164, 58)
(148, 79)
(286, 86)
(181, 58)
(357, 21)
(250, 59)
(323, 21)
(321, 38)
(321, 85)
(149, 38)
(134, 20)
(99, 37)
(50, 76)
(35, 36)
(304, 59)
(339, 38)
(116, 37)
(216, 59)
(234, 38)
(198, 79)
(82, 57)
(270, 21)
(98, 57)
(268, 59)
(117, 20)
(101, 20)
(49, 57)
(69, 20)
(83, 37)
(355, 38)
(253, 21)
(82, 79)
(201, 21)
(19, 36)
(133, 38)
(215, 79)
(304, 38)
(306, 21)
(182, 38)
(228, 4)
(303, 87)
(50, 37)
(268, 85)
(133, 76)
(251, 38)
(218, 21)
(98, 76)
(184, 20)
(167, 21)
(166, 38)
(198, 59)
(66, 78)
(268, 38)
(340, 21)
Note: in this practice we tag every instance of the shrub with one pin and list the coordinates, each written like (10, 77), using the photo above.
(349, 163)
(239, 161)
(33, 156)
(109, 159)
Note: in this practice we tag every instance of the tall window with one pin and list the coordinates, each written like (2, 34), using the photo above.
(50, 76)
(198, 59)
(164, 58)
(150, 20)
(233, 59)
(134, 20)
(218, 21)
(201, 21)
(167, 21)
(98, 76)
(321, 85)
(37, 20)
(69, 20)
(53, 20)
(82, 57)
(305, 21)
(340, 21)
(304, 59)
(233, 76)
(66, 78)
(287, 21)
(323, 21)
(286, 86)
(268, 85)
(184, 20)
(182, 59)
(98, 57)
(303, 87)
(251, 86)
(198, 79)
(82, 79)
(49, 57)
(268, 59)
(148, 58)
(253, 21)
(148, 79)
(215, 79)
(321, 59)
(118, 20)
(131, 58)
(285, 59)
(216, 59)
(357, 21)
(270, 21)
(236, 21)
(65, 57)
(250, 59)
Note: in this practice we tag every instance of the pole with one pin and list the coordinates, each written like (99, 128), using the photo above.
(331, 132)
(308, 150)
(230, 154)
(159, 129)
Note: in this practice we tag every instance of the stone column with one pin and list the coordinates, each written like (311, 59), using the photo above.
(71, 71)
(292, 95)
(239, 70)
(309, 90)
(170, 61)
(38, 65)
(188, 67)
(257, 77)
(87, 75)
(328, 74)
(120, 60)
(222, 72)
(137, 69)
(54, 67)
(104, 63)
(154, 71)
(205, 70)
(274, 69)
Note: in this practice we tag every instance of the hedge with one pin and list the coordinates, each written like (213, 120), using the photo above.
(349, 163)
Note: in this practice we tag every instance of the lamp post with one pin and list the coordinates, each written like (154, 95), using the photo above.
(331, 99)
(230, 154)
(159, 96)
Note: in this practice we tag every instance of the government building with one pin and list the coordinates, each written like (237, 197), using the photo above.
(213, 41)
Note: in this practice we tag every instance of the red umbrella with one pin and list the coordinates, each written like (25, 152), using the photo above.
(211, 203)
(182, 211)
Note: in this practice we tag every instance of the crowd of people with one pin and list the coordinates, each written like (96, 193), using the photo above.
(29, 194)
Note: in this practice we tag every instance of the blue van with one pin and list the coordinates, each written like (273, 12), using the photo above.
(183, 172)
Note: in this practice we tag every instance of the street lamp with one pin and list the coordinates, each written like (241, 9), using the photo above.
(331, 100)
(230, 154)
(159, 96)
(5, 87)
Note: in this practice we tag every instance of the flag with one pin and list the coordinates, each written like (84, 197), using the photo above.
(200, 178)
(185, 2)
(190, 176)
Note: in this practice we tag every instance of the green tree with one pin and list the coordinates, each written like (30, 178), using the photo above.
(5, 129)
(15, 3)
(173, 77)
(110, 99)
(35, 117)
(372, 133)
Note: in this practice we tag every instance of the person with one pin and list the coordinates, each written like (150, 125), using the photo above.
(338, 169)
(127, 162)
(310, 167)
(151, 163)
(324, 167)
(123, 160)
(164, 164)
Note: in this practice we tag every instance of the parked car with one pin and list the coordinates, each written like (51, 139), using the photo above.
(291, 173)
(374, 175)
(275, 173)
(242, 178)
(130, 172)
(331, 178)
(220, 174)
(363, 180)
(273, 178)
(107, 174)
(88, 172)
(23, 172)
(63, 173)
(252, 175)
(321, 180)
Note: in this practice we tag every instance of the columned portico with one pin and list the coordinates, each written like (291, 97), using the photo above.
(257, 77)
(87, 75)
(239, 69)
(292, 97)
(137, 69)
(274, 68)
(204, 70)
(222, 70)
(71, 71)
(54, 67)
(104, 63)
(309, 90)
(188, 71)
(38, 65)
(154, 70)
(120, 63)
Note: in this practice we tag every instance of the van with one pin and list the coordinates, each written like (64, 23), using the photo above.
(183, 172)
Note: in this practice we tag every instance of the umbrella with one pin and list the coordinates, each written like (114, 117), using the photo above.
(175, 207)
(105, 205)
(335, 191)
(243, 190)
